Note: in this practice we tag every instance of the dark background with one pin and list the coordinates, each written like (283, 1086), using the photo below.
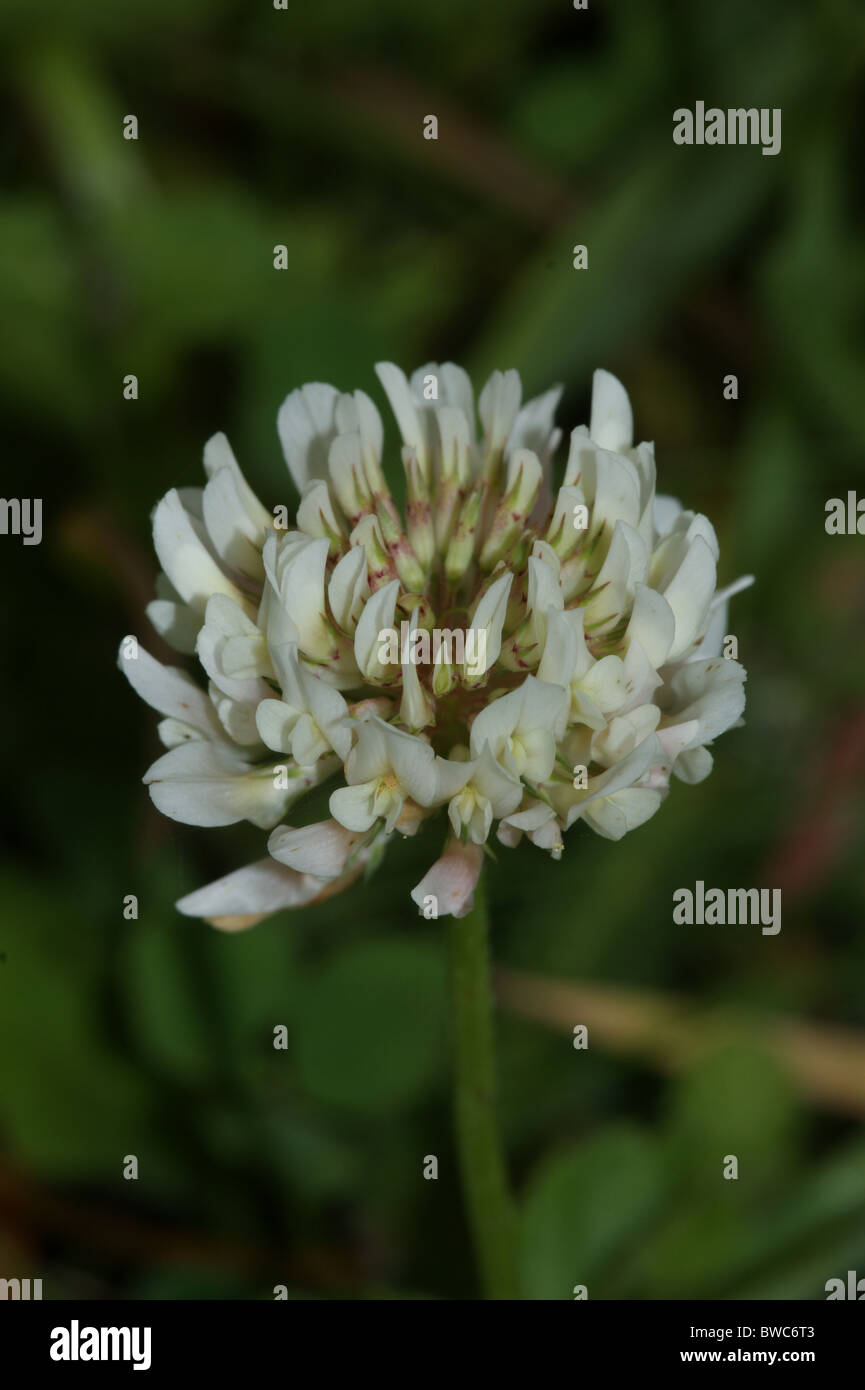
(154, 1037)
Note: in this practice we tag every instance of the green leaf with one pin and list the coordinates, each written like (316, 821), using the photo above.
(583, 1207)
(68, 1105)
(737, 1102)
(370, 1028)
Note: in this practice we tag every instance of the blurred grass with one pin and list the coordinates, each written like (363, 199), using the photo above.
(154, 1037)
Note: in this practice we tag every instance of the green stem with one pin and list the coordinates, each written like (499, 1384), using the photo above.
(491, 1214)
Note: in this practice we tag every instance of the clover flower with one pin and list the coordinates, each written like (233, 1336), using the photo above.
(594, 674)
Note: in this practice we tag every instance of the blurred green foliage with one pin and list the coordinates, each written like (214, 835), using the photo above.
(155, 1037)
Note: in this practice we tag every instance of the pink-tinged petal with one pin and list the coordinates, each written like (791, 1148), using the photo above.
(452, 879)
(508, 834)
(244, 897)
(322, 849)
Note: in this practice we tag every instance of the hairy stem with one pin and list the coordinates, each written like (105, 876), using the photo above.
(488, 1201)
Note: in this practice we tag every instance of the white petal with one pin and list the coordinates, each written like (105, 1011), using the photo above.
(641, 678)
(302, 593)
(689, 594)
(275, 721)
(218, 454)
(626, 565)
(534, 425)
(173, 732)
(316, 515)
(675, 739)
(369, 758)
(534, 753)
(236, 538)
(404, 407)
(501, 788)
(666, 510)
(495, 723)
(498, 405)
(354, 807)
(237, 718)
(712, 692)
(456, 436)
(544, 706)
(535, 814)
(171, 691)
(308, 744)
(329, 711)
(612, 484)
(225, 626)
(626, 732)
(452, 776)
(348, 589)
(694, 765)
(377, 615)
(616, 778)
(544, 596)
(416, 710)
(488, 618)
(176, 623)
(611, 423)
(306, 428)
(202, 784)
(652, 624)
(358, 414)
(559, 661)
(413, 761)
(615, 815)
(184, 557)
(456, 390)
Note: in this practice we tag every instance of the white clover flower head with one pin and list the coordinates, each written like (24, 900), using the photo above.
(594, 674)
